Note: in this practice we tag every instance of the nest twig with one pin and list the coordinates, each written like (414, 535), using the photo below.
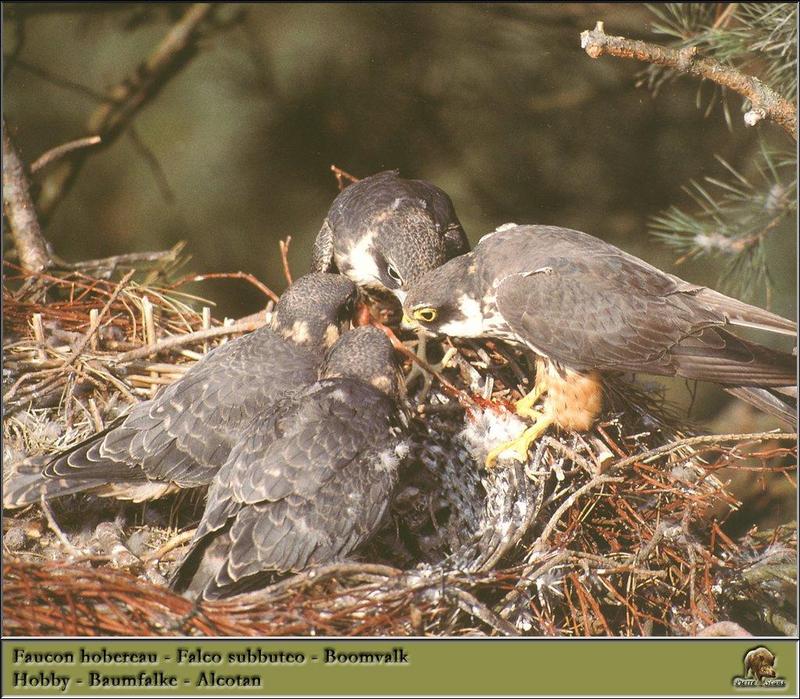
(620, 531)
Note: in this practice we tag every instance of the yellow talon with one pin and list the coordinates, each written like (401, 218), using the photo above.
(529, 436)
(520, 446)
(524, 406)
(491, 457)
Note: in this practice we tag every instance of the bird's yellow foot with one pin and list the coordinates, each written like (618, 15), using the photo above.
(520, 446)
(524, 406)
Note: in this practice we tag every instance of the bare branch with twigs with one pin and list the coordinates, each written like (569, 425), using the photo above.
(55, 154)
(125, 100)
(18, 207)
(765, 102)
(109, 264)
(712, 439)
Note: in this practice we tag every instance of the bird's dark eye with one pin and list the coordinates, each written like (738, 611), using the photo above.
(392, 272)
(426, 315)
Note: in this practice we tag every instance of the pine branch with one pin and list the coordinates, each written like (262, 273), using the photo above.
(751, 36)
(734, 217)
(766, 103)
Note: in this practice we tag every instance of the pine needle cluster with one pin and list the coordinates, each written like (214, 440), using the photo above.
(735, 212)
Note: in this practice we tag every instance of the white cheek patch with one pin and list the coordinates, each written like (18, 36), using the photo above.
(359, 263)
(331, 335)
(298, 333)
(382, 383)
(470, 322)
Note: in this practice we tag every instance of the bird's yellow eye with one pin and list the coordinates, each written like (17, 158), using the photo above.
(425, 315)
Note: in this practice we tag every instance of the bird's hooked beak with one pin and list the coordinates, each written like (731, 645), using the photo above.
(409, 323)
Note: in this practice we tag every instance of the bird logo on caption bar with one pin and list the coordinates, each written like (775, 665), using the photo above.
(759, 670)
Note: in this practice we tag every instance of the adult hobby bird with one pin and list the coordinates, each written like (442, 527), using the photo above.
(310, 481)
(384, 232)
(180, 438)
(585, 307)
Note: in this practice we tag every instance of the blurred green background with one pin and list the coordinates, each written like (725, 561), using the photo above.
(497, 104)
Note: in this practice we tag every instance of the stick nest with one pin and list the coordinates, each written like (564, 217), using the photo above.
(618, 532)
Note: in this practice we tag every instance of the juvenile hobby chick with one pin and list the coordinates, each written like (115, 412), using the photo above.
(180, 438)
(385, 232)
(311, 481)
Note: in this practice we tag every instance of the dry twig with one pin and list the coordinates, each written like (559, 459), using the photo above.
(18, 208)
(284, 248)
(263, 288)
(341, 176)
(169, 343)
(55, 154)
(765, 102)
(126, 99)
(712, 439)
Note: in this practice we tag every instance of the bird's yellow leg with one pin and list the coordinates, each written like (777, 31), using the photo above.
(524, 406)
(519, 447)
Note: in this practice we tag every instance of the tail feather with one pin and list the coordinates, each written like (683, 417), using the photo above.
(82, 460)
(27, 481)
(719, 356)
(766, 401)
(196, 573)
(743, 314)
(75, 471)
(25, 484)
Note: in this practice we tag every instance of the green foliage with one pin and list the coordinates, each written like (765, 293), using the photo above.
(759, 38)
(733, 218)
(734, 214)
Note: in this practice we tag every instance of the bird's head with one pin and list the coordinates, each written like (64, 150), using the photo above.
(393, 249)
(388, 231)
(444, 301)
(365, 354)
(316, 309)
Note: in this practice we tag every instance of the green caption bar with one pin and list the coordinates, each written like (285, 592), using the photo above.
(326, 667)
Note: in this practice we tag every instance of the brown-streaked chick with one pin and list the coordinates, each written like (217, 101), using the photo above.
(311, 481)
(181, 438)
(385, 232)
